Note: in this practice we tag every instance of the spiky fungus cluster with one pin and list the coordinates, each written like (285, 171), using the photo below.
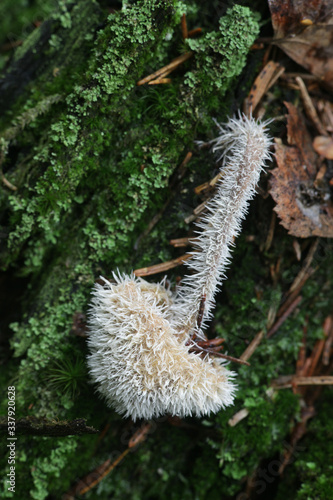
(141, 333)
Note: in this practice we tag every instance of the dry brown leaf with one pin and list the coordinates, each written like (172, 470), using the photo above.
(303, 29)
(266, 78)
(291, 16)
(299, 136)
(301, 204)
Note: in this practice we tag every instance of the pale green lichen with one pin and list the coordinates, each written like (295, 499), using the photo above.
(215, 52)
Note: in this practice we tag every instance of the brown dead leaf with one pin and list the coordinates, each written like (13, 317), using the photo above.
(303, 29)
(290, 16)
(299, 136)
(264, 81)
(301, 203)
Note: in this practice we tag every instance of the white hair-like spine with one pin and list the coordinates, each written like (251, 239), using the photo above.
(140, 334)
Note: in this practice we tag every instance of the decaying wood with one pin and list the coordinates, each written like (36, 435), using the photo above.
(42, 426)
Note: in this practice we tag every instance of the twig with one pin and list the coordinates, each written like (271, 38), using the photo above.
(300, 364)
(284, 316)
(180, 242)
(314, 358)
(328, 329)
(140, 435)
(286, 381)
(181, 168)
(231, 358)
(7, 183)
(164, 266)
(105, 472)
(301, 278)
(270, 234)
(184, 27)
(297, 433)
(240, 415)
(197, 348)
(208, 184)
(307, 264)
(95, 477)
(253, 346)
(297, 249)
(290, 299)
(3, 178)
(309, 107)
(160, 81)
(10, 45)
(172, 66)
(196, 31)
(264, 81)
(200, 208)
(305, 76)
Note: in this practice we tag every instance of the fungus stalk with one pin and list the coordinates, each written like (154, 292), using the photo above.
(140, 333)
(245, 147)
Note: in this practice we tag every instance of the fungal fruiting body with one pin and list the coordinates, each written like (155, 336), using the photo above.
(138, 362)
(141, 334)
(245, 148)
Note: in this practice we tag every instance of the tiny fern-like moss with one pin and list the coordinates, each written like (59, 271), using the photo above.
(67, 376)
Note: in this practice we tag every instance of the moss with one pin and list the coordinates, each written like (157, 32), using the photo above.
(309, 476)
(18, 20)
(47, 459)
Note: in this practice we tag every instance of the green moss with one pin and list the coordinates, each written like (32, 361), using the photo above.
(47, 460)
(18, 19)
(309, 477)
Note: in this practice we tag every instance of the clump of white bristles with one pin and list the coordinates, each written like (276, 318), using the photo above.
(140, 334)
(139, 364)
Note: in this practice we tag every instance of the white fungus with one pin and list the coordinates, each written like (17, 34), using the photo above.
(140, 334)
